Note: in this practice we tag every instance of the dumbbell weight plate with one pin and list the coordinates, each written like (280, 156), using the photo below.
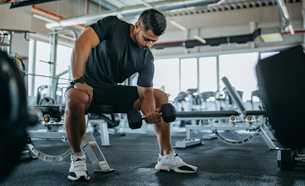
(168, 112)
(13, 116)
(134, 119)
(47, 101)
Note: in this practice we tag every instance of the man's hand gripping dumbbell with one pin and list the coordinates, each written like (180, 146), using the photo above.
(135, 118)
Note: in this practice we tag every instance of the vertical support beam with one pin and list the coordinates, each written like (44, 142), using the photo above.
(186, 36)
(9, 41)
(252, 26)
(179, 74)
(52, 90)
(198, 33)
(217, 72)
(198, 76)
(33, 68)
(104, 134)
(70, 73)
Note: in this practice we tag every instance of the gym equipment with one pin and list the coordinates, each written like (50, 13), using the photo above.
(8, 33)
(15, 118)
(281, 82)
(205, 96)
(288, 158)
(47, 101)
(255, 94)
(53, 120)
(100, 115)
(253, 121)
(194, 100)
(135, 118)
(44, 99)
(179, 99)
(14, 115)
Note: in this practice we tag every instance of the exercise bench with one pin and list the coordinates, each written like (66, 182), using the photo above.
(252, 121)
(258, 116)
(53, 119)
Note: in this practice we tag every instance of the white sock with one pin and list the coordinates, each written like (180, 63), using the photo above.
(78, 153)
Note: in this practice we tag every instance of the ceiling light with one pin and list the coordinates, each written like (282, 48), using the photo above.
(216, 4)
(44, 18)
(268, 35)
(178, 25)
(203, 41)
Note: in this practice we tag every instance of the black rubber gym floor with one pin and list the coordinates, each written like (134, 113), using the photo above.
(134, 156)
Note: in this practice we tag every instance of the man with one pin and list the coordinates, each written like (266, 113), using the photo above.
(106, 53)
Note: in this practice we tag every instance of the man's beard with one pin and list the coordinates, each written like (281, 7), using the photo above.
(142, 47)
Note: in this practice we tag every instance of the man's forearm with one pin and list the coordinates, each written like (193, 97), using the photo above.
(148, 104)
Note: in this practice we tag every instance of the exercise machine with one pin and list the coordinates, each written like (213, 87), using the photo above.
(281, 83)
(252, 121)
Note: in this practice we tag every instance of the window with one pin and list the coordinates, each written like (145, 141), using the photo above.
(240, 70)
(207, 74)
(268, 54)
(42, 67)
(188, 74)
(63, 61)
(167, 75)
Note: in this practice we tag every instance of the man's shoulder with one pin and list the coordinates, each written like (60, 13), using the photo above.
(114, 19)
(109, 19)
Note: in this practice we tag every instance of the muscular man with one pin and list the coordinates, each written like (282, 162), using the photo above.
(106, 53)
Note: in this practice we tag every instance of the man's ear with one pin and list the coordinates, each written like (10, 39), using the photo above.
(137, 25)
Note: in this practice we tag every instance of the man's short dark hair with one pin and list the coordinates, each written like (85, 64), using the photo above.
(154, 20)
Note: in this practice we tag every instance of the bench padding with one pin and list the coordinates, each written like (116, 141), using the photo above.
(190, 114)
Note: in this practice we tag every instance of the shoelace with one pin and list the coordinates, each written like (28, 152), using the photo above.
(75, 160)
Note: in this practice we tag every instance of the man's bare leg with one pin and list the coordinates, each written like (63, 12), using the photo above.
(162, 128)
(77, 102)
(168, 159)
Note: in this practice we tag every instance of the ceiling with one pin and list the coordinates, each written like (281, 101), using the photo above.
(221, 6)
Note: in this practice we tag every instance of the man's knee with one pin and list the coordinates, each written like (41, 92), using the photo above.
(160, 96)
(76, 101)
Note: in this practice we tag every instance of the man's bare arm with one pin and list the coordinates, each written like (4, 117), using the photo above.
(148, 105)
(81, 50)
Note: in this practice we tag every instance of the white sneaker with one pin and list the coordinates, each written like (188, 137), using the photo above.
(78, 170)
(173, 162)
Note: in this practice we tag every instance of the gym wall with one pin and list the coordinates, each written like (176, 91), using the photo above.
(18, 19)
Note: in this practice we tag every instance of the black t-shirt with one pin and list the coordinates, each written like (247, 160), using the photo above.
(117, 57)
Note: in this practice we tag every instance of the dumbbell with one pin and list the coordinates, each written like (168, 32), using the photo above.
(135, 118)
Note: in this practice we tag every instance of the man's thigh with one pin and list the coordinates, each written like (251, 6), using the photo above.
(121, 97)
